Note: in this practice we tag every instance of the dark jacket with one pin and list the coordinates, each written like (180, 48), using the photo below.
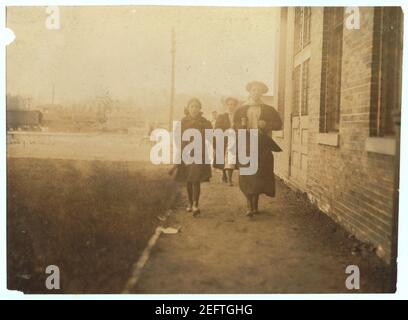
(194, 172)
(223, 123)
(268, 114)
(263, 181)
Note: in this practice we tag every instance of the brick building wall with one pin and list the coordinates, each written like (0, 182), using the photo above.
(347, 180)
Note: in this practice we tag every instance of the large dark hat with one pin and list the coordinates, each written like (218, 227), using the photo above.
(262, 86)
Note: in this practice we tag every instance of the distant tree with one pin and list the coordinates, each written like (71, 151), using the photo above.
(14, 102)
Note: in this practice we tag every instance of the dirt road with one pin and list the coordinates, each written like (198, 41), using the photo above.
(290, 247)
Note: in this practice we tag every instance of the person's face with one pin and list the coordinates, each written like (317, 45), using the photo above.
(231, 105)
(255, 93)
(194, 109)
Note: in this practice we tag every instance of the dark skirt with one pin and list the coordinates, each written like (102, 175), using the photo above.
(193, 173)
(263, 181)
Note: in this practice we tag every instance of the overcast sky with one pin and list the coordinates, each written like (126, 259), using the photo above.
(126, 51)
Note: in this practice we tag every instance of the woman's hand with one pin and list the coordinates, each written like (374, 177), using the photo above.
(261, 124)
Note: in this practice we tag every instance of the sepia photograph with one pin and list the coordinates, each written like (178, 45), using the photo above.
(203, 150)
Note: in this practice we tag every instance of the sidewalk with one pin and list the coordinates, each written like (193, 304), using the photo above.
(288, 248)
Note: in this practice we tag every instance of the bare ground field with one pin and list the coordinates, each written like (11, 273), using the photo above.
(90, 218)
(78, 146)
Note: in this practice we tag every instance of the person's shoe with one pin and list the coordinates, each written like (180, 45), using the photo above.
(249, 214)
(196, 211)
(189, 209)
(256, 212)
(231, 184)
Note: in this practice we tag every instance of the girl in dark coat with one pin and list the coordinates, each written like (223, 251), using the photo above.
(256, 115)
(226, 121)
(193, 174)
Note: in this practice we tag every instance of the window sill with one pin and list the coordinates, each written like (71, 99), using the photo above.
(380, 145)
(328, 139)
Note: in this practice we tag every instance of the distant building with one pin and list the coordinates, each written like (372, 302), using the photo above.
(18, 102)
(23, 119)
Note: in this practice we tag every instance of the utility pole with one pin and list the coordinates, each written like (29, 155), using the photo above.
(173, 62)
(53, 93)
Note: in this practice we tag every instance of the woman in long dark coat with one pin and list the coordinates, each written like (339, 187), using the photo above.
(193, 174)
(224, 122)
(254, 114)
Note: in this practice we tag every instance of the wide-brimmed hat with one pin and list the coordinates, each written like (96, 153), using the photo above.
(262, 86)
